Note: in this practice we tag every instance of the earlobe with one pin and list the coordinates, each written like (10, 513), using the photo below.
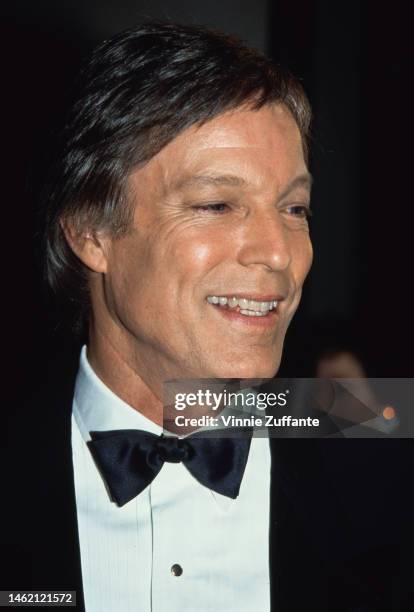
(88, 246)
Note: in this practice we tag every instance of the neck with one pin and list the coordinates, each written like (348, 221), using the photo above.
(117, 372)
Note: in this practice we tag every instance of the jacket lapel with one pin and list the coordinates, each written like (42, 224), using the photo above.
(45, 508)
(308, 531)
(314, 541)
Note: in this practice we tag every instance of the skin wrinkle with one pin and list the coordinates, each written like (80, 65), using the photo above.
(151, 321)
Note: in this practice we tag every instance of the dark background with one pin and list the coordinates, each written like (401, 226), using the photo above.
(355, 61)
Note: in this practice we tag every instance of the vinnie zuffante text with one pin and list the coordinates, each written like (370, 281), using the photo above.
(249, 421)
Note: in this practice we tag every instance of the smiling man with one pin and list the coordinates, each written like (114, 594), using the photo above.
(177, 218)
(209, 273)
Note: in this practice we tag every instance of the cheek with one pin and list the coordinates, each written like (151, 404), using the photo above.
(190, 253)
(156, 272)
(189, 256)
(128, 272)
(122, 290)
(302, 257)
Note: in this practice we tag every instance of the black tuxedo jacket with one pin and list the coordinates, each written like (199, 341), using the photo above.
(341, 530)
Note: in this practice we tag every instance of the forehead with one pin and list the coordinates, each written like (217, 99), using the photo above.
(263, 128)
(256, 145)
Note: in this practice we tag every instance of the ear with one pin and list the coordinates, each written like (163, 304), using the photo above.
(90, 246)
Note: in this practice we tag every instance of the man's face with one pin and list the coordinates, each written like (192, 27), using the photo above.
(219, 213)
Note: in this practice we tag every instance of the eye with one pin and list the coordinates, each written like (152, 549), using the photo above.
(299, 210)
(215, 208)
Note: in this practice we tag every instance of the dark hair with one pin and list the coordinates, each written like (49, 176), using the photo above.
(135, 94)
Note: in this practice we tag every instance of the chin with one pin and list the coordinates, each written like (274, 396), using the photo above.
(252, 369)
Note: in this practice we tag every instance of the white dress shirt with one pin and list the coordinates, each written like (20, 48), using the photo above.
(220, 544)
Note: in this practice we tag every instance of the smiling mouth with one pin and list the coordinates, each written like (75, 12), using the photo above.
(244, 306)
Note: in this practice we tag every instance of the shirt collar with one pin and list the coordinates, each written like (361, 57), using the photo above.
(97, 408)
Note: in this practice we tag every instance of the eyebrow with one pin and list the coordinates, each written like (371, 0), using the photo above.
(232, 180)
(212, 179)
(304, 180)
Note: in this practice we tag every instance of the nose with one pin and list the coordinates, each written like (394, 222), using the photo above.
(265, 242)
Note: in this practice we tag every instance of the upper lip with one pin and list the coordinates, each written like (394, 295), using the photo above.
(257, 297)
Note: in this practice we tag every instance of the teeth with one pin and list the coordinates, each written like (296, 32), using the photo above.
(252, 313)
(247, 307)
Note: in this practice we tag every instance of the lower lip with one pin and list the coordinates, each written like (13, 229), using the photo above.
(233, 315)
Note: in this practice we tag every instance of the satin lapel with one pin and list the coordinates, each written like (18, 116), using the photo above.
(309, 533)
(54, 554)
(67, 485)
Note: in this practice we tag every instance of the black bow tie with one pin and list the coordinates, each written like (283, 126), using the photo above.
(130, 459)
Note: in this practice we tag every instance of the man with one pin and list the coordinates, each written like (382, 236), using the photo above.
(177, 218)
